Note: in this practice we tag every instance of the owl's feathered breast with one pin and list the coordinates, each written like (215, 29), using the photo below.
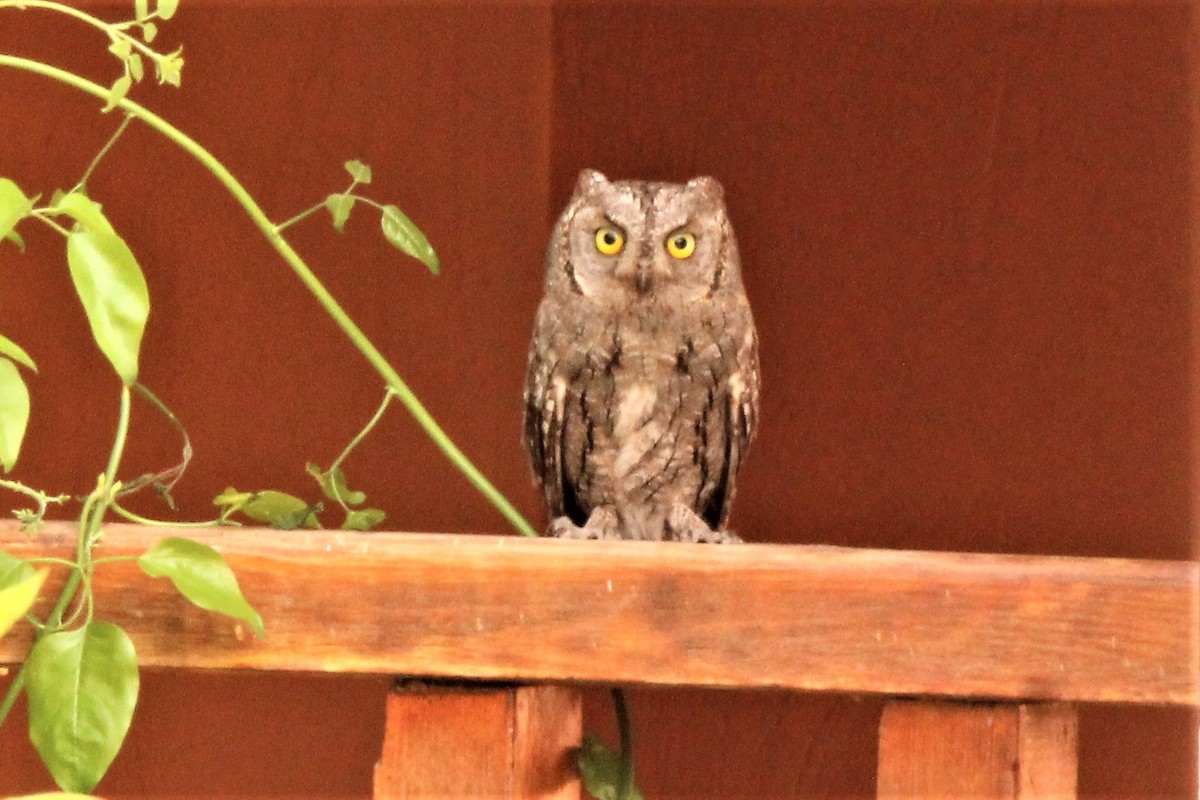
(640, 407)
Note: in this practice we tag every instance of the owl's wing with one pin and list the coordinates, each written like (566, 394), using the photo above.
(732, 428)
(543, 437)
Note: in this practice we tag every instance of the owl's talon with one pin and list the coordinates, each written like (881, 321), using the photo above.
(602, 524)
(716, 537)
(563, 528)
(685, 525)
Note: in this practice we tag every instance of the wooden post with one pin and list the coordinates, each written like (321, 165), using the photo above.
(495, 742)
(984, 751)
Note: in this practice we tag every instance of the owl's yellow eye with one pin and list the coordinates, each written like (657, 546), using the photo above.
(681, 245)
(609, 241)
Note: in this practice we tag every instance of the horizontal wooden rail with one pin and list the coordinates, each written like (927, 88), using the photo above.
(794, 617)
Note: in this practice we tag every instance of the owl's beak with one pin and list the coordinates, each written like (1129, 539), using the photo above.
(644, 278)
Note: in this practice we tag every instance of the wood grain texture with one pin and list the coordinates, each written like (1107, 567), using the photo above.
(547, 733)
(504, 743)
(796, 617)
(985, 751)
(1047, 751)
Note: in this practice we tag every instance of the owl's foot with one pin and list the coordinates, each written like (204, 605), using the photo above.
(602, 524)
(685, 525)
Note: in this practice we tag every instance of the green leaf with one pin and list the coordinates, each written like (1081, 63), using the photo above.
(166, 8)
(17, 598)
(14, 206)
(121, 48)
(363, 519)
(601, 769)
(136, 70)
(113, 291)
(339, 206)
(233, 498)
(169, 68)
(141, 9)
(277, 509)
(16, 239)
(359, 171)
(14, 413)
(82, 687)
(13, 570)
(149, 32)
(117, 92)
(11, 349)
(407, 237)
(202, 576)
(83, 209)
(333, 484)
(281, 510)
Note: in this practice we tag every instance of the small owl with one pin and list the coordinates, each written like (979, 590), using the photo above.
(641, 396)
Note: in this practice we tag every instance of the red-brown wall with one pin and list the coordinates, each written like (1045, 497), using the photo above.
(967, 235)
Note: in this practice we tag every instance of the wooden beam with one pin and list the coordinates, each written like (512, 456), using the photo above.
(794, 617)
(985, 751)
(498, 742)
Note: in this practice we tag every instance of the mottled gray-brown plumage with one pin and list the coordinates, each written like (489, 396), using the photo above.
(642, 389)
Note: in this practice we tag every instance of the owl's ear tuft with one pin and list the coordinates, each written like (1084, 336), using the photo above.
(708, 186)
(590, 179)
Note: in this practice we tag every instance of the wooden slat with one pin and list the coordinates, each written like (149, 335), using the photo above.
(1047, 751)
(497, 742)
(984, 751)
(547, 732)
(796, 617)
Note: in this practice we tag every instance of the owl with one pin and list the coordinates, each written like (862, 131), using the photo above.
(641, 394)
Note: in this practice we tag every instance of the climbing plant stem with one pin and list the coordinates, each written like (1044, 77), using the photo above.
(112, 140)
(360, 341)
(89, 529)
(625, 731)
(371, 423)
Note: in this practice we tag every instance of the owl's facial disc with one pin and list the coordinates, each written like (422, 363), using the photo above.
(642, 240)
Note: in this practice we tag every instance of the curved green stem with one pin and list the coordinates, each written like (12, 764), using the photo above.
(126, 514)
(39, 214)
(118, 448)
(368, 201)
(14, 691)
(163, 481)
(48, 5)
(360, 341)
(89, 528)
(625, 731)
(113, 30)
(303, 215)
(115, 560)
(93, 514)
(378, 415)
(58, 562)
(112, 140)
(41, 498)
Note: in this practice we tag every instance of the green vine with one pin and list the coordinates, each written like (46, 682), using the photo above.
(271, 231)
(80, 677)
